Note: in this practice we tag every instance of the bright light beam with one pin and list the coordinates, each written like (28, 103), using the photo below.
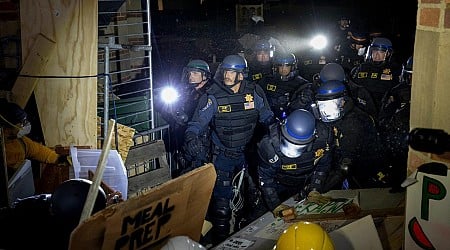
(169, 95)
(318, 42)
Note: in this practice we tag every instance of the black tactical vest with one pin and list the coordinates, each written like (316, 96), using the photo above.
(237, 115)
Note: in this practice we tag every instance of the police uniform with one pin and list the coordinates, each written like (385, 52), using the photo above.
(282, 177)
(377, 79)
(279, 92)
(232, 118)
(359, 152)
(259, 71)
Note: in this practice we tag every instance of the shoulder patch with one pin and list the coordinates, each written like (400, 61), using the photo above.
(208, 104)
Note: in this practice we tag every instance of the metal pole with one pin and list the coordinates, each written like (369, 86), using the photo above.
(106, 94)
(149, 44)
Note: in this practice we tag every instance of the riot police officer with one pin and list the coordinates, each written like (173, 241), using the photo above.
(394, 124)
(295, 158)
(261, 65)
(231, 108)
(280, 87)
(357, 142)
(378, 73)
(353, 53)
(195, 80)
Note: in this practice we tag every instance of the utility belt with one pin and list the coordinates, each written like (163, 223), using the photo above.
(228, 152)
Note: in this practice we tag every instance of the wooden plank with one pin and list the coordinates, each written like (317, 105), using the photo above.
(177, 207)
(145, 151)
(67, 106)
(34, 65)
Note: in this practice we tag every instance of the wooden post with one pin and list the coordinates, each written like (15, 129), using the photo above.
(93, 189)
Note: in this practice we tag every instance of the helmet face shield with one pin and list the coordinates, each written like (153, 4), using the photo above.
(331, 110)
(291, 150)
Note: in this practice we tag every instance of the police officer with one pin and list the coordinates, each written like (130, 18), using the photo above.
(231, 108)
(261, 65)
(377, 73)
(357, 142)
(353, 53)
(195, 80)
(295, 158)
(394, 124)
(280, 87)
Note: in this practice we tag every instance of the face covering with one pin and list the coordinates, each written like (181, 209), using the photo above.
(330, 110)
(25, 130)
(361, 51)
(291, 150)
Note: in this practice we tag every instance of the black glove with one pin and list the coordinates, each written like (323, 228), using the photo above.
(181, 118)
(193, 145)
(283, 100)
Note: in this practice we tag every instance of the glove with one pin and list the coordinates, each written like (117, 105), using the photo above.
(283, 100)
(317, 198)
(284, 211)
(181, 118)
(193, 145)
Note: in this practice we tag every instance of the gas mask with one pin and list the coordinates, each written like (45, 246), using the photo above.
(331, 110)
(24, 130)
(291, 150)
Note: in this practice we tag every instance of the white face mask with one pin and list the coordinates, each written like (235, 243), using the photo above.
(361, 51)
(291, 150)
(330, 110)
(25, 130)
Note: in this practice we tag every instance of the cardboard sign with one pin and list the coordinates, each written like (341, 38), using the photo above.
(177, 207)
(427, 219)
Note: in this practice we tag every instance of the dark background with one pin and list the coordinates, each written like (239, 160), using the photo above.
(187, 30)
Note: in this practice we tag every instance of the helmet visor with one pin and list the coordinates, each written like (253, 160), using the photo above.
(331, 110)
(291, 150)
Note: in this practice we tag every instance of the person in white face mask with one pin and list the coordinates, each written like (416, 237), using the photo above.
(18, 147)
(294, 159)
(358, 151)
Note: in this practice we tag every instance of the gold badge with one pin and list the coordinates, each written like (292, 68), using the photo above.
(257, 76)
(319, 152)
(387, 71)
(362, 74)
(224, 109)
(248, 98)
(289, 167)
(271, 87)
(374, 75)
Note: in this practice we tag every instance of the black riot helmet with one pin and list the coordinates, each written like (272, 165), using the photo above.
(407, 71)
(232, 63)
(297, 130)
(196, 66)
(67, 202)
(330, 98)
(332, 72)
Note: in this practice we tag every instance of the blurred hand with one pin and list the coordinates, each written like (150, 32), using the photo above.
(285, 212)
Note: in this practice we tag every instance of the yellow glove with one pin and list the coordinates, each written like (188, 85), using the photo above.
(317, 198)
(284, 211)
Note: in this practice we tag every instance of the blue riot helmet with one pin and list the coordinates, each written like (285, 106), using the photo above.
(196, 66)
(332, 72)
(234, 63)
(379, 51)
(262, 49)
(330, 100)
(407, 71)
(285, 59)
(297, 130)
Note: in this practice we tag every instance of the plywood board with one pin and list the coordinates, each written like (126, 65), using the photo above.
(34, 65)
(67, 105)
(177, 207)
